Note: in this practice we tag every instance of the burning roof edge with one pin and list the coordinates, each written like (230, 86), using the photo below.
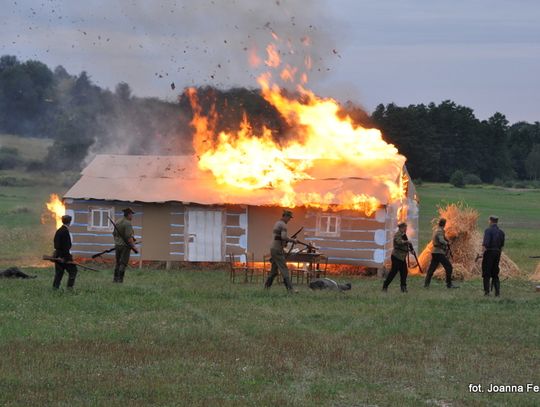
(160, 179)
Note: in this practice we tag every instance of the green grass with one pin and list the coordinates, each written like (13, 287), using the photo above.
(191, 338)
(518, 211)
(29, 148)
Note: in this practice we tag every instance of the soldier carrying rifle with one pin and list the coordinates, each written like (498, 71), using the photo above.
(277, 252)
(492, 245)
(398, 258)
(124, 243)
(441, 246)
(62, 247)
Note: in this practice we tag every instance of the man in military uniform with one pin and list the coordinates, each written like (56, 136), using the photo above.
(277, 252)
(492, 245)
(398, 257)
(62, 247)
(124, 243)
(438, 256)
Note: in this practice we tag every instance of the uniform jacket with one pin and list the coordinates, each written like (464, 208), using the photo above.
(401, 246)
(62, 242)
(279, 235)
(493, 238)
(126, 231)
(440, 244)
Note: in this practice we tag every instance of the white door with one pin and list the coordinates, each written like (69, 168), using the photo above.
(204, 236)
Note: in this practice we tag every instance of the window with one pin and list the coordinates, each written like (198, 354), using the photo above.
(328, 225)
(98, 219)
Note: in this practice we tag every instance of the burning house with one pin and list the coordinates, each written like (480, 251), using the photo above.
(183, 214)
(347, 186)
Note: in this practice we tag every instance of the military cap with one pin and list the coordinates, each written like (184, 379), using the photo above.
(127, 211)
(401, 224)
(66, 219)
(288, 213)
(494, 218)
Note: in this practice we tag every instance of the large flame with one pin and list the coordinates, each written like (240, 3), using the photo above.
(324, 141)
(56, 210)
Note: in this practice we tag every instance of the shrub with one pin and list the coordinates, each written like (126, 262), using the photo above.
(472, 179)
(520, 184)
(458, 179)
(498, 182)
(508, 183)
(417, 181)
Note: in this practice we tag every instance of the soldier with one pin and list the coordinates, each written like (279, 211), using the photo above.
(277, 252)
(492, 246)
(124, 242)
(62, 246)
(438, 256)
(398, 257)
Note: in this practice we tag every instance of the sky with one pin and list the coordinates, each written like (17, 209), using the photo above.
(483, 54)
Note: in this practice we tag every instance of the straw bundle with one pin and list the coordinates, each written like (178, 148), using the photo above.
(536, 275)
(465, 242)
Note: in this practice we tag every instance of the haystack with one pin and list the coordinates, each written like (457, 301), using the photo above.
(465, 243)
(536, 275)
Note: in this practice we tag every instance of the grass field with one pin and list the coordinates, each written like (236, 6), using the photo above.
(191, 338)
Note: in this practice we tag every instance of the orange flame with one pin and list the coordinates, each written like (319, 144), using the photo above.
(56, 210)
(324, 142)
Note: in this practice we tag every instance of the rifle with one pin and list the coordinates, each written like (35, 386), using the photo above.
(132, 247)
(94, 256)
(63, 261)
(478, 257)
(293, 237)
(534, 257)
(411, 249)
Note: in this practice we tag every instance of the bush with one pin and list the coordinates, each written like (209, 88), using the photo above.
(508, 183)
(417, 181)
(498, 182)
(472, 179)
(9, 158)
(458, 179)
(16, 182)
(520, 184)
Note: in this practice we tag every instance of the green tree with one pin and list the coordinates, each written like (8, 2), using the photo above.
(532, 163)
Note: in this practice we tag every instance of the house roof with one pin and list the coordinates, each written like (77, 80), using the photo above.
(177, 178)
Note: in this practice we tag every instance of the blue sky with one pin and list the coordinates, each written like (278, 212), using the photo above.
(484, 54)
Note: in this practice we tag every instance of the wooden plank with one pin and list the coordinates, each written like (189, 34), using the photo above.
(345, 246)
(234, 231)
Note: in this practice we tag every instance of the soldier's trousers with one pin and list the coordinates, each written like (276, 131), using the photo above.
(59, 269)
(436, 259)
(277, 260)
(490, 270)
(122, 260)
(397, 265)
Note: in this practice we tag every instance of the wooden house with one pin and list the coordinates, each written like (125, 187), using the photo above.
(182, 214)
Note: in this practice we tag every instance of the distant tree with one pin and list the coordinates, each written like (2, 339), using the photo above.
(532, 163)
(123, 92)
(457, 179)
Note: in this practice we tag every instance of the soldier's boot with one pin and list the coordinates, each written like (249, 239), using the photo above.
(427, 280)
(288, 285)
(497, 286)
(121, 272)
(486, 285)
(403, 288)
(268, 282)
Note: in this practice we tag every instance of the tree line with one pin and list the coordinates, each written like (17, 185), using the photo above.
(439, 140)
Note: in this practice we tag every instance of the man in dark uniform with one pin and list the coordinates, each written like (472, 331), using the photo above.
(277, 252)
(62, 246)
(492, 246)
(398, 257)
(438, 256)
(124, 242)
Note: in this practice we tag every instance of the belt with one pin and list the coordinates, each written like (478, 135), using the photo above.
(277, 238)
